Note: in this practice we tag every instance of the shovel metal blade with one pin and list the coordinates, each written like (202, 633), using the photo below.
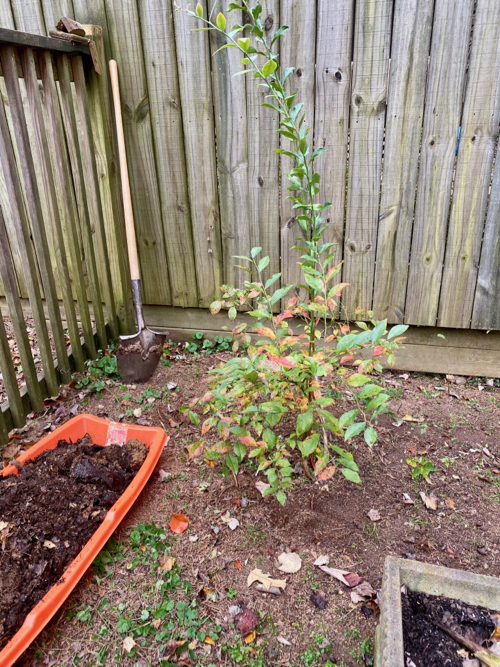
(138, 355)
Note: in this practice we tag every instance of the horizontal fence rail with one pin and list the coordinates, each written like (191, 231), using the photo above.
(53, 246)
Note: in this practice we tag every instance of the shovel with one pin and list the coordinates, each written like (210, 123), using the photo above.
(138, 355)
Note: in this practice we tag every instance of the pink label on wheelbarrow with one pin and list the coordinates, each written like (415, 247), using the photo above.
(117, 434)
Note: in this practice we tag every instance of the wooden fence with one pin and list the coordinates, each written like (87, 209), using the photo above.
(52, 227)
(405, 94)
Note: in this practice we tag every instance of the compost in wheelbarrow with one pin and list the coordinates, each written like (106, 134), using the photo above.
(54, 516)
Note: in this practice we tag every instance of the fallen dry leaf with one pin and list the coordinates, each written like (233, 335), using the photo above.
(289, 562)
(3, 525)
(429, 501)
(374, 515)
(327, 473)
(322, 560)
(407, 500)
(362, 592)
(250, 637)
(209, 640)
(449, 503)
(262, 487)
(167, 563)
(283, 641)
(128, 644)
(231, 522)
(178, 523)
(350, 579)
(162, 474)
(265, 579)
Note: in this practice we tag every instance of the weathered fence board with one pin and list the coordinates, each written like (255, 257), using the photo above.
(486, 313)
(480, 119)
(372, 38)
(405, 108)
(443, 107)
(297, 49)
(232, 154)
(331, 115)
(195, 88)
(163, 90)
(127, 49)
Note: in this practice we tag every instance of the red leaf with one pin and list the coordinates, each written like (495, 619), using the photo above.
(178, 523)
(352, 579)
(378, 350)
(247, 440)
(346, 357)
(327, 473)
(266, 332)
(285, 315)
(286, 362)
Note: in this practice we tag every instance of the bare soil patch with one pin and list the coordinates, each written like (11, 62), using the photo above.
(452, 424)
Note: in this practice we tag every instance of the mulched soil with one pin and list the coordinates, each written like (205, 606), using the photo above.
(452, 422)
(427, 645)
(49, 511)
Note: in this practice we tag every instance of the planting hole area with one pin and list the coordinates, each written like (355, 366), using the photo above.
(49, 511)
(427, 645)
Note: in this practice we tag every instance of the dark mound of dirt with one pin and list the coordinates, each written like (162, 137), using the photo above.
(49, 512)
(429, 646)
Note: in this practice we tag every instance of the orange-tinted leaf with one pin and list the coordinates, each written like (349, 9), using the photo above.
(345, 358)
(327, 473)
(250, 637)
(195, 450)
(338, 288)
(247, 440)
(379, 349)
(238, 564)
(178, 523)
(286, 362)
(210, 464)
(449, 503)
(344, 329)
(206, 426)
(291, 302)
(285, 315)
(209, 640)
(266, 332)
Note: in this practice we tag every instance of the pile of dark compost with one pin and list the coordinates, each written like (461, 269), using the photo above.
(427, 645)
(49, 511)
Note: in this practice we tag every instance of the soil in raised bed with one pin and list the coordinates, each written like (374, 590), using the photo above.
(426, 644)
(49, 511)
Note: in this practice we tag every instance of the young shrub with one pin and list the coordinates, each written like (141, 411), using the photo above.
(270, 405)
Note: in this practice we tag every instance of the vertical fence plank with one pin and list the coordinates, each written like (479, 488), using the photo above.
(263, 163)
(368, 104)
(195, 87)
(443, 107)
(486, 313)
(297, 49)
(331, 124)
(7, 275)
(232, 154)
(10, 380)
(28, 16)
(43, 133)
(127, 49)
(53, 10)
(101, 120)
(35, 213)
(4, 435)
(480, 120)
(92, 189)
(163, 87)
(66, 197)
(405, 107)
(68, 114)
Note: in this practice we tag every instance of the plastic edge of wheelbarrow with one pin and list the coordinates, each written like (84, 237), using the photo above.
(102, 432)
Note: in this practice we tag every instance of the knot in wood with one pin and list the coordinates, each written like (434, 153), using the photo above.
(268, 23)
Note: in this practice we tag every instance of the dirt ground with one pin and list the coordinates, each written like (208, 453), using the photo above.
(452, 422)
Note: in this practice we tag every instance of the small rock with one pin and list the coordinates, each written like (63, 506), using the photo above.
(374, 515)
(483, 551)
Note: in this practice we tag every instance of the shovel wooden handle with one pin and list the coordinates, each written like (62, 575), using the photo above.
(127, 200)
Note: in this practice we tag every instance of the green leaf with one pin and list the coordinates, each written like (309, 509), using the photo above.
(351, 475)
(255, 251)
(199, 11)
(278, 33)
(354, 429)
(232, 313)
(280, 293)
(347, 418)
(270, 67)
(193, 418)
(376, 402)
(347, 463)
(398, 330)
(346, 343)
(281, 497)
(232, 463)
(240, 450)
(263, 263)
(369, 390)
(286, 74)
(305, 422)
(215, 307)
(309, 446)
(370, 436)
(270, 281)
(221, 24)
(225, 46)
(379, 330)
(357, 380)
(244, 44)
